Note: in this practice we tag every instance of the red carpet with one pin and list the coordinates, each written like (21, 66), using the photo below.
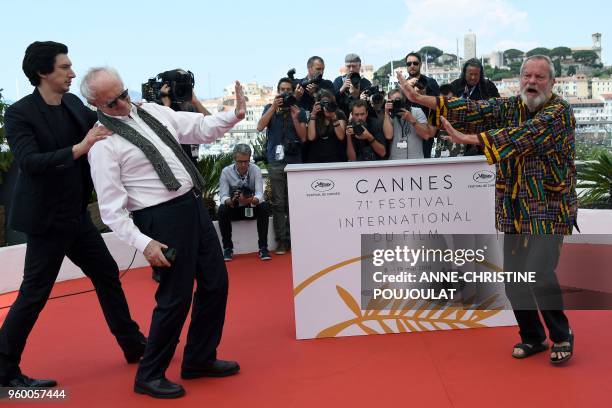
(468, 368)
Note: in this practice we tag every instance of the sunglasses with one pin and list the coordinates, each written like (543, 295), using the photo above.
(415, 63)
(123, 96)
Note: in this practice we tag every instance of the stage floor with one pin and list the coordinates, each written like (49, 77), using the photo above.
(459, 368)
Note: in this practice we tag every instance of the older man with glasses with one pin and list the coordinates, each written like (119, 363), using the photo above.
(141, 169)
(241, 191)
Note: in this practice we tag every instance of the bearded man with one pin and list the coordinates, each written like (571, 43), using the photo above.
(530, 138)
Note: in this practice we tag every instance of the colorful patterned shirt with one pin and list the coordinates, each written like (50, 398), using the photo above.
(533, 152)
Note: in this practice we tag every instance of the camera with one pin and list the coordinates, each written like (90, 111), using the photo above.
(304, 82)
(288, 99)
(329, 106)
(181, 85)
(398, 105)
(355, 78)
(240, 189)
(358, 127)
(375, 94)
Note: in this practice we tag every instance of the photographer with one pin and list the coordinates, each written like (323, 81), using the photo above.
(241, 196)
(326, 131)
(286, 131)
(366, 137)
(348, 87)
(376, 101)
(177, 93)
(425, 86)
(473, 85)
(409, 128)
(313, 83)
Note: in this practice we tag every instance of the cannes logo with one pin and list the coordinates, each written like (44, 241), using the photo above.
(322, 185)
(484, 176)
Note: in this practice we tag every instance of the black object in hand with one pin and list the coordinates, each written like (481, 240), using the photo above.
(169, 254)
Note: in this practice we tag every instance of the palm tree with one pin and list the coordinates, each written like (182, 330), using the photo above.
(596, 180)
(210, 168)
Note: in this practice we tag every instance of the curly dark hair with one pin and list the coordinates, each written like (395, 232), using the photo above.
(40, 59)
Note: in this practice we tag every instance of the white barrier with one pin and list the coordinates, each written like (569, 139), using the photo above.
(244, 236)
(331, 205)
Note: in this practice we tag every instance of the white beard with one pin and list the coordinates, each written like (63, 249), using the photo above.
(533, 103)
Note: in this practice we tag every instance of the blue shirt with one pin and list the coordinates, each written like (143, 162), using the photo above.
(281, 131)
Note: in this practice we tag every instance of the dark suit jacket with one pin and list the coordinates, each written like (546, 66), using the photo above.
(41, 161)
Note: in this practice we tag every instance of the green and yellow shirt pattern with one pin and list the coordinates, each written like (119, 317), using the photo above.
(535, 186)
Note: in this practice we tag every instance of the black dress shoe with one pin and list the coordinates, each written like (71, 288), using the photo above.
(134, 354)
(160, 388)
(23, 381)
(216, 368)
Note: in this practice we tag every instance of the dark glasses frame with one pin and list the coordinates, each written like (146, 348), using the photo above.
(123, 96)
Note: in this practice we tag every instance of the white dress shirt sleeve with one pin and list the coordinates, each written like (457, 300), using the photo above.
(195, 128)
(224, 186)
(112, 196)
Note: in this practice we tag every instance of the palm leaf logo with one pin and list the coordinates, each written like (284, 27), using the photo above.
(411, 315)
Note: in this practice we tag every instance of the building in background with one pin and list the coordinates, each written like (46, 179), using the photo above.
(469, 45)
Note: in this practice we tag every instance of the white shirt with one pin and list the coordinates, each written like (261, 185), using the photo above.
(126, 181)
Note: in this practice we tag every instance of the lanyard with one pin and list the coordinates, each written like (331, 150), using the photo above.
(241, 177)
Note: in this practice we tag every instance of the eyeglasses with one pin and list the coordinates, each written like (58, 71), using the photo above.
(123, 96)
(415, 63)
(243, 161)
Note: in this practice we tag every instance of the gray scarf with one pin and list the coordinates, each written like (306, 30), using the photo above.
(150, 151)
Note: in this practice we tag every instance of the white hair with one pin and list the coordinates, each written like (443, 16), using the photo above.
(551, 66)
(86, 88)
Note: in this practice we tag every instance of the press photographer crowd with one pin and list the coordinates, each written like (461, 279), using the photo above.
(141, 160)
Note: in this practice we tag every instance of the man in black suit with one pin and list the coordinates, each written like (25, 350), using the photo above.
(49, 135)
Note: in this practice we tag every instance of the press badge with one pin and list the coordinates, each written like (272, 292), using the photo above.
(280, 153)
(402, 145)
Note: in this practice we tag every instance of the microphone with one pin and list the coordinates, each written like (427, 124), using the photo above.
(169, 254)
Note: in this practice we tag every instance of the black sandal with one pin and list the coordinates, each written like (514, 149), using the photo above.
(529, 349)
(563, 349)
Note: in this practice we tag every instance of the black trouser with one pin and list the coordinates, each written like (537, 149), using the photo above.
(227, 214)
(280, 201)
(183, 224)
(84, 246)
(539, 253)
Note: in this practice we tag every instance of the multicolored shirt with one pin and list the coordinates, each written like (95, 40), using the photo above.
(533, 152)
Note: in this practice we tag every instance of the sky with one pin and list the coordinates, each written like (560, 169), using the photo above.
(222, 41)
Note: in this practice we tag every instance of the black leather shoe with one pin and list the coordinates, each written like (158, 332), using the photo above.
(133, 355)
(160, 388)
(217, 368)
(23, 381)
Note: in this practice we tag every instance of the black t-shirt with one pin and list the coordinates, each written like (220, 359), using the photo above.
(363, 149)
(326, 148)
(66, 130)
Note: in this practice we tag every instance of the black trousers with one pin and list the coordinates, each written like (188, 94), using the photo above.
(84, 246)
(183, 224)
(227, 214)
(538, 253)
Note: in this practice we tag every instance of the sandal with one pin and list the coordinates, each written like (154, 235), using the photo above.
(529, 349)
(563, 349)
